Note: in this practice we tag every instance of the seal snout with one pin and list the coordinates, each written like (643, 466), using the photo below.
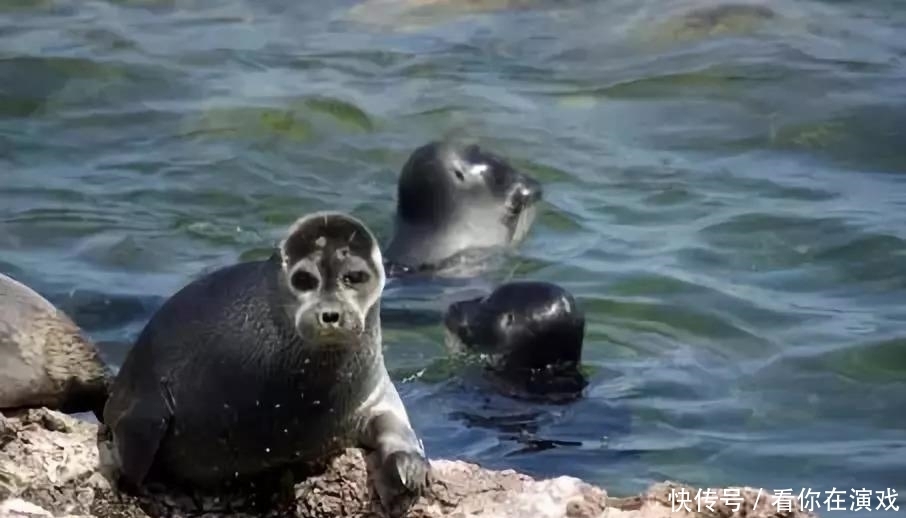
(455, 320)
(526, 192)
(331, 320)
(458, 335)
(463, 320)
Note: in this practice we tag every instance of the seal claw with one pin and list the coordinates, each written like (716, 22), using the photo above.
(404, 478)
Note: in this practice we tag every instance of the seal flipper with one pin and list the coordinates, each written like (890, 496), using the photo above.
(138, 430)
(404, 469)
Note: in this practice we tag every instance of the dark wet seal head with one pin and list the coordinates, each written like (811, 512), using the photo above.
(531, 331)
(333, 273)
(453, 197)
(437, 174)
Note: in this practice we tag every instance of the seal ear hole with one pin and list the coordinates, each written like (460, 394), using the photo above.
(303, 281)
(356, 277)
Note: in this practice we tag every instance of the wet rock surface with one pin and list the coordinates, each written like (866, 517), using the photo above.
(53, 465)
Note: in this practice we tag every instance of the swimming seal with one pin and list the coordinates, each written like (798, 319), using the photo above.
(265, 365)
(453, 200)
(530, 333)
(45, 360)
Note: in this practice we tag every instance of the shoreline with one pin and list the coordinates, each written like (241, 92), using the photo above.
(55, 465)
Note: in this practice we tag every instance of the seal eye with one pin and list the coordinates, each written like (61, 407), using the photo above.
(355, 277)
(459, 175)
(303, 281)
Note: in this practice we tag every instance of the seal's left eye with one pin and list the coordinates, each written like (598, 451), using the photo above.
(356, 277)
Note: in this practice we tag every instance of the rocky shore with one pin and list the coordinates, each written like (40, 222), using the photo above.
(54, 465)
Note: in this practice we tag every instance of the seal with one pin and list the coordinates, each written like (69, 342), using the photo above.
(45, 359)
(529, 333)
(267, 365)
(457, 203)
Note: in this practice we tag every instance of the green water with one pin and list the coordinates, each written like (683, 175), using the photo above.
(725, 193)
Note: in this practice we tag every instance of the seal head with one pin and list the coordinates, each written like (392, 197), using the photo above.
(529, 333)
(453, 200)
(333, 275)
(267, 366)
(45, 359)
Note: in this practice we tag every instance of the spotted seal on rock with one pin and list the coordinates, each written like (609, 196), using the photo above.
(267, 364)
(45, 359)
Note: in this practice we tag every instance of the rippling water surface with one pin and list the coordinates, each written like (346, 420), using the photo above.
(725, 193)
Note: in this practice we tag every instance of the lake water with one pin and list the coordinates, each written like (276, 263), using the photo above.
(725, 193)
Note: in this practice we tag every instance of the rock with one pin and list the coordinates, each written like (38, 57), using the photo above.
(415, 15)
(53, 465)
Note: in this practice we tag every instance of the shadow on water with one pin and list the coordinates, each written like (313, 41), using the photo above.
(415, 300)
(501, 432)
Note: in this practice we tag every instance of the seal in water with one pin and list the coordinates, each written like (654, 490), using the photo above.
(45, 359)
(531, 334)
(456, 199)
(267, 365)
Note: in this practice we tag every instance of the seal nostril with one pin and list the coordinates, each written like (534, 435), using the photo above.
(330, 317)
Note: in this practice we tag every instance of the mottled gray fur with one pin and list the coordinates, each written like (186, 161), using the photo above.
(268, 364)
(45, 360)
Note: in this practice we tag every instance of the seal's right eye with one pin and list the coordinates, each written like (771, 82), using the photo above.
(459, 174)
(356, 277)
(303, 281)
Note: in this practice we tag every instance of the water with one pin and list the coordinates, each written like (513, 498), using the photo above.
(725, 194)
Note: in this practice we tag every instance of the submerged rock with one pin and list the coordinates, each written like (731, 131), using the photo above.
(415, 15)
(53, 465)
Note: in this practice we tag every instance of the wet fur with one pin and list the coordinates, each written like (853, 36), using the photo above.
(528, 334)
(456, 203)
(221, 386)
(46, 359)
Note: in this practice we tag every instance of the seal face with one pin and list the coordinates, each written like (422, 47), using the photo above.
(453, 200)
(335, 275)
(530, 333)
(267, 365)
(45, 359)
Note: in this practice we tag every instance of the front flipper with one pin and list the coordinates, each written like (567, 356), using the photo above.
(404, 469)
(404, 478)
(138, 426)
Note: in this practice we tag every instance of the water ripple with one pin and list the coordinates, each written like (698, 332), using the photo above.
(724, 193)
